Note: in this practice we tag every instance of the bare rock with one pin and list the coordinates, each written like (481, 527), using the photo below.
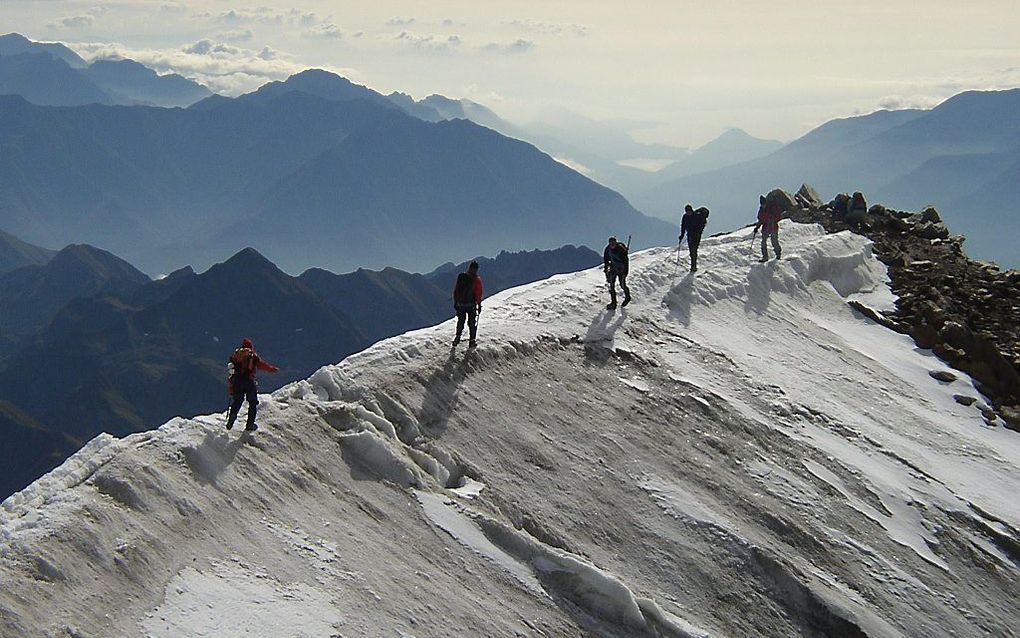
(1011, 416)
(782, 200)
(956, 335)
(925, 335)
(942, 375)
(932, 230)
(809, 196)
(964, 399)
(930, 214)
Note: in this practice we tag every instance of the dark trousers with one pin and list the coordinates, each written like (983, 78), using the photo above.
(470, 315)
(244, 390)
(692, 245)
(611, 278)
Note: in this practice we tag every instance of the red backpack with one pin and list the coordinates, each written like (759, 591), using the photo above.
(242, 363)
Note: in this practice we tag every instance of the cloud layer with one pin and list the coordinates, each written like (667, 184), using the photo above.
(224, 68)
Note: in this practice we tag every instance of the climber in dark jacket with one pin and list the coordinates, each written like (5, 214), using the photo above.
(616, 263)
(467, 302)
(693, 225)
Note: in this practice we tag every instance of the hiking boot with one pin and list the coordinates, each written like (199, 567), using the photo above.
(251, 427)
(472, 344)
(779, 254)
(626, 300)
(763, 259)
(611, 305)
(694, 269)
(456, 340)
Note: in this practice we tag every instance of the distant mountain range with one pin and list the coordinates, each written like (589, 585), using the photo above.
(314, 171)
(598, 150)
(962, 156)
(93, 345)
(50, 74)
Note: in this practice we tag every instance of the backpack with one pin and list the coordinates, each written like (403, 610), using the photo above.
(464, 291)
(700, 219)
(858, 201)
(242, 362)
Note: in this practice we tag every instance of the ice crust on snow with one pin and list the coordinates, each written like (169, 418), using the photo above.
(737, 452)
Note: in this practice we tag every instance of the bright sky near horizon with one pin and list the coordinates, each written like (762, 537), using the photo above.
(677, 72)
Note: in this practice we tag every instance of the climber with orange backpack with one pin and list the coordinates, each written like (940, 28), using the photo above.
(241, 384)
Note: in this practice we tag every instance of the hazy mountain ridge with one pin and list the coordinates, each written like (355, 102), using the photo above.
(283, 168)
(15, 253)
(50, 74)
(16, 44)
(961, 155)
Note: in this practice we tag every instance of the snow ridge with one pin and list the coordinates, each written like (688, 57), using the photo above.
(735, 453)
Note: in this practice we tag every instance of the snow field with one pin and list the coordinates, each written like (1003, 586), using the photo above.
(735, 453)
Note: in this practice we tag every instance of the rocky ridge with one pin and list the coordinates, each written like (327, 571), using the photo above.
(966, 312)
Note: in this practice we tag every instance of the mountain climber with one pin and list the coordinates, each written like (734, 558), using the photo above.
(243, 365)
(467, 301)
(693, 224)
(857, 209)
(769, 214)
(840, 204)
(615, 263)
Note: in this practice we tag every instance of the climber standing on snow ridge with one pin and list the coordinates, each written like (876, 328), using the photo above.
(693, 225)
(769, 214)
(243, 365)
(467, 301)
(616, 263)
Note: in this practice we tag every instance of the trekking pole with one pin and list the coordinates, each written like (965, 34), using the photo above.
(753, 236)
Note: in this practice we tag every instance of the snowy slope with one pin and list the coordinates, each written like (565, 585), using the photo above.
(734, 454)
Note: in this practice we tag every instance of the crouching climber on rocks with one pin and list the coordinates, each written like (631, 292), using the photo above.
(243, 365)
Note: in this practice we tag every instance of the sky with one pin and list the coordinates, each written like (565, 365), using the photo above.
(675, 72)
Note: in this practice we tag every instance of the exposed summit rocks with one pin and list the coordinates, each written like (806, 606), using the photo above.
(967, 312)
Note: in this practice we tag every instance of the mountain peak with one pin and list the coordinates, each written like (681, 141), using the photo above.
(737, 138)
(13, 39)
(323, 84)
(15, 43)
(106, 265)
(123, 66)
(248, 258)
(322, 80)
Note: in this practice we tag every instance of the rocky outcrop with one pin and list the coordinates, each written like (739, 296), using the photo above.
(779, 199)
(808, 196)
(967, 312)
